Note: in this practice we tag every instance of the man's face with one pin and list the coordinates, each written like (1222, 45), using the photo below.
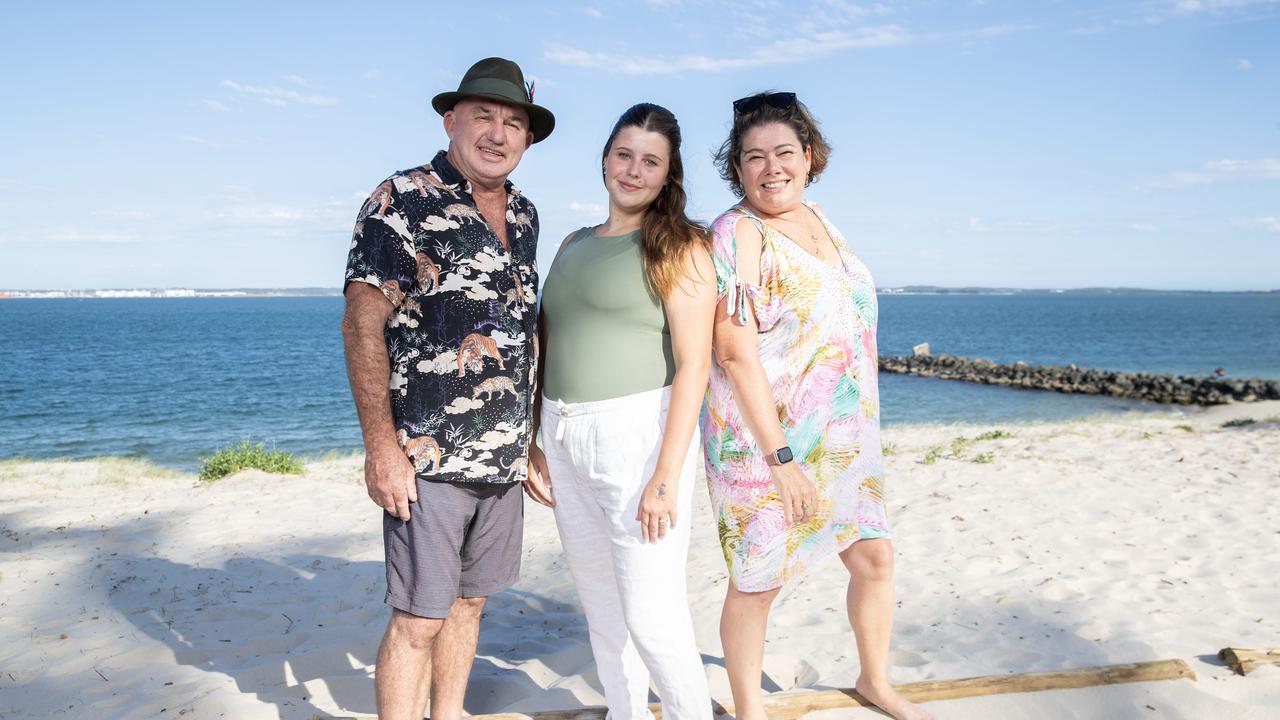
(486, 139)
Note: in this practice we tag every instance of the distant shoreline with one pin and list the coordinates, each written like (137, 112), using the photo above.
(116, 293)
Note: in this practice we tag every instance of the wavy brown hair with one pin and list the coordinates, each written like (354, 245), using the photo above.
(667, 234)
(797, 117)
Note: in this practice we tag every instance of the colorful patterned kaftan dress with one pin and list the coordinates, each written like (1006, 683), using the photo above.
(817, 342)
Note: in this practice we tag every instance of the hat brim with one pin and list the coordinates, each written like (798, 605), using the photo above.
(541, 121)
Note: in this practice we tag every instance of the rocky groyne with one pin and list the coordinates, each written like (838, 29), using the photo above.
(1171, 389)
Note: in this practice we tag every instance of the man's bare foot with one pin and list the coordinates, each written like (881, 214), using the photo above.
(888, 700)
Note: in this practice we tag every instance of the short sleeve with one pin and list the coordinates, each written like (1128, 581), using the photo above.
(382, 251)
(730, 286)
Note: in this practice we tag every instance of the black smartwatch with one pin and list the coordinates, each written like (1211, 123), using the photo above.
(781, 456)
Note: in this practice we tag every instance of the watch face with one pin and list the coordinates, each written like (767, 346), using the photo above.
(784, 455)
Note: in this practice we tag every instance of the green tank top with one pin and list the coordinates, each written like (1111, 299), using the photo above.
(607, 336)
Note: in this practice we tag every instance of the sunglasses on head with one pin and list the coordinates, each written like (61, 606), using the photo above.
(779, 100)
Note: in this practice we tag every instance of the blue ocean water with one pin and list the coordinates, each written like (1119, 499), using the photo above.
(172, 379)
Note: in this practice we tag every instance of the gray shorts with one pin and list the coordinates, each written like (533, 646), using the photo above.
(462, 540)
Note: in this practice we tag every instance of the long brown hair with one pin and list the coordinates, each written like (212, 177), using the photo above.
(667, 234)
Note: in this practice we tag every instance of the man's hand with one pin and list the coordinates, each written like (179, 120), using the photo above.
(538, 484)
(391, 481)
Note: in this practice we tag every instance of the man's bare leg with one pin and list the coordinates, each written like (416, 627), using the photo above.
(402, 680)
(451, 659)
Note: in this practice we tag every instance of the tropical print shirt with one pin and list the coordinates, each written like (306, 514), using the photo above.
(461, 335)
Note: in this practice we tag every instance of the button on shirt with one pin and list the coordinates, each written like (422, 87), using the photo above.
(461, 335)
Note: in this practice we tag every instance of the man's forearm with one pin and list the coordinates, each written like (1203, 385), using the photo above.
(369, 373)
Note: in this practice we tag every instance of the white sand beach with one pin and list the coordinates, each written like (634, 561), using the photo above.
(130, 592)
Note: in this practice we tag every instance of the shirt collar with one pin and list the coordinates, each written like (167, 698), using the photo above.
(449, 174)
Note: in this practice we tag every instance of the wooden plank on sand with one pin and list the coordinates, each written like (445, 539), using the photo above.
(1245, 661)
(796, 704)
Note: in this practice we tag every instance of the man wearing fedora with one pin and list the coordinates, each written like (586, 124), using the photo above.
(439, 335)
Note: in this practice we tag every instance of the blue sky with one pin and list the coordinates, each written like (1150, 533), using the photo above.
(1049, 144)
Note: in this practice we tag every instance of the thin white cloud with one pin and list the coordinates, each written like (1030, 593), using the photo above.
(268, 213)
(11, 185)
(1191, 7)
(371, 74)
(992, 31)
(593, 12)
(1270, 223)
(121, 214)
(1144, 227)
(831, 14)
(277, 96)
(82, 235)
(782, 52)
(592, 209)
(1154, 13)
(1244, 64)
(538, 81)
(297, 80)
(998, 225)
(258, 214)
(1215, 172)
(216, 106)
(196, 140)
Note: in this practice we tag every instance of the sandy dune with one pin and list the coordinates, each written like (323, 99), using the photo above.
(126, 591)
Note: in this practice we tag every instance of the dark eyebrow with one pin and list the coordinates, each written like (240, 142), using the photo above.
(647, 155)
(776, 147)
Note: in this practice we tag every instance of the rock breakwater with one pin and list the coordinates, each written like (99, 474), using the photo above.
(1169, 389)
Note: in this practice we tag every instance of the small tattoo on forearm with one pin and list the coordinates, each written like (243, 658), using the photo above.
(662, 489)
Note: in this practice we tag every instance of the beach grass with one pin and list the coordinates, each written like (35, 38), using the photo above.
(932, 455)
(246, 455)
(994, 435)
(99, 470)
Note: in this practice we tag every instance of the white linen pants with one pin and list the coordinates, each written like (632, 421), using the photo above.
(600, 456)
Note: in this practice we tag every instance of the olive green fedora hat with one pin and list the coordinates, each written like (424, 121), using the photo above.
(499, 79)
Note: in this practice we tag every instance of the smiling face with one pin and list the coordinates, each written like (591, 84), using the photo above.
(774, 168)
(636, 168)
(486, 140)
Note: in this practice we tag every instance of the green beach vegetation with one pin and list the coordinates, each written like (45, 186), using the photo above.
(98, 470)
(246, 455)
(932, 455)
(960, 446)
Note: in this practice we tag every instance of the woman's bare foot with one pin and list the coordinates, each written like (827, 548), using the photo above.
(887, 699)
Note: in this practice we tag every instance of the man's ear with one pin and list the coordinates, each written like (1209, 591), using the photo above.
(528, 141)
(449, 122)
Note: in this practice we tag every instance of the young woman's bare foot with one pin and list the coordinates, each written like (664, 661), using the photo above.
(888, 700)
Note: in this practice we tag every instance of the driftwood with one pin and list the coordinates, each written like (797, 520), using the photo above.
(1245, 661)
(796, 704)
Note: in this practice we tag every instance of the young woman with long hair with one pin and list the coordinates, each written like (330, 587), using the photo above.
(627, 311)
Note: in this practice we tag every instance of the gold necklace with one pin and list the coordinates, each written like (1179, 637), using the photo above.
(812, 237)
